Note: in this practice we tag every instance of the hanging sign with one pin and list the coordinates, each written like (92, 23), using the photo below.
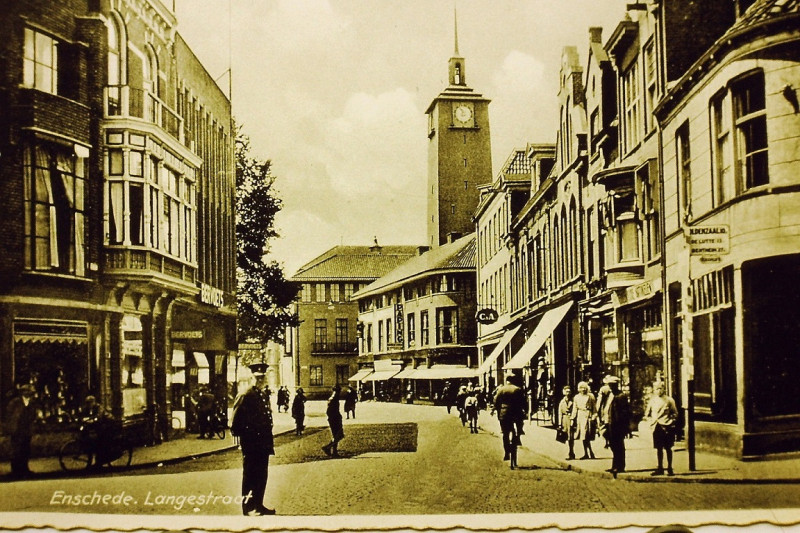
(487, 316)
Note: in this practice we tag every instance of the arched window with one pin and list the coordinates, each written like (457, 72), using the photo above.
(566, 253)
(116, 50)
(556, 257)
(150, 71)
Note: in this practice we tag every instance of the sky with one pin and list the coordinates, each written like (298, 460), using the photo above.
(334, 92)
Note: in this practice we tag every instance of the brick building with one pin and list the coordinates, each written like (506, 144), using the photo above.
(117, 189)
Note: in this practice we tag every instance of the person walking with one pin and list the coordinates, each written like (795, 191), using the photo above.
(205, 410)
(350, 399)
(584, 418)
(662, 413)
(21, 415)
(565, 421)
(509, 402)
(616, 414)
(252, 423)
(335, 422)
(471, 409)
(299, 411)
(460, 397)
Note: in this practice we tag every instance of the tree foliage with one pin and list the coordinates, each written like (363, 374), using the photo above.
(264, 294)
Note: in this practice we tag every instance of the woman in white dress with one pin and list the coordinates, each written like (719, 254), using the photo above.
(584, 418)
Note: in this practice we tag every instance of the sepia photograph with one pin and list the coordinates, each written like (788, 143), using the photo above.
(357, 265)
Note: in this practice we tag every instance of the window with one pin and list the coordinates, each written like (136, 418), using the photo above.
(369, 338)
(446, 325)
(724, 185)
(380, 335)
(342, 374)
(411, 332)
(320, 334)
(40, 62)
(648, 206)
(54, 195)
(305, 295)
(341, 333)
(348, 291)
(627, 238)
(320, 292)
(683, 159)
(388, 332)
(315, 375)
(750, 119)
(630, 88)
(335, 294)
(650, 85)
(424, 333)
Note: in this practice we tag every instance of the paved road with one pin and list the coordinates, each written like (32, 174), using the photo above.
(396, 460)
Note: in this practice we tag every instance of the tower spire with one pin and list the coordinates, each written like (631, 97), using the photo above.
(455, 24)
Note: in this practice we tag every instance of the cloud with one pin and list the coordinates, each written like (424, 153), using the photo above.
(518, 73)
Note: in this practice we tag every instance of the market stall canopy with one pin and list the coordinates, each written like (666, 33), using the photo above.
(550, 320)
(489, 361)
(360, 375)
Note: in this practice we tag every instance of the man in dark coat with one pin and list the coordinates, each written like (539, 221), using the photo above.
(205, 410)
(335, 423)
(617, 414)
(21, 415)
(509, 402)
(252, 423)
(299, 411)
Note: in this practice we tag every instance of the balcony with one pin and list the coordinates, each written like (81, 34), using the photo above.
(124, 101)
(333, 347)
(149, 266)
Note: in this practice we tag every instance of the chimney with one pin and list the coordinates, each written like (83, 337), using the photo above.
(375, 248)
(596, 34)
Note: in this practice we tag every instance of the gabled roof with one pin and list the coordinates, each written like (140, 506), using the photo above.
(455, 256)
(354, 263)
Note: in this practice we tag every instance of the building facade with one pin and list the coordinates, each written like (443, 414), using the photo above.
(421, 317)
(324, 346)
(107, 174)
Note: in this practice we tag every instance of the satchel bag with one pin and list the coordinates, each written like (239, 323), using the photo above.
(561, 436)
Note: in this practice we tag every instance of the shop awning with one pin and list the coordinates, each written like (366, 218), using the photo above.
(383, 375)
(200, 359)
(361, 374)
(444, 372)
(178, 358)
(406, 373)
(544, 329)
(489, 361)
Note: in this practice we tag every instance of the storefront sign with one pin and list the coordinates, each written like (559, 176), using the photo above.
(211, 295)
(249, 346)
(398, 323)
(190, 334)
(709, 240)
(486, 316)
(636, 293)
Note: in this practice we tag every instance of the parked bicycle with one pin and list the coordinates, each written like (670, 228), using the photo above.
(101, 441)
(218, 423)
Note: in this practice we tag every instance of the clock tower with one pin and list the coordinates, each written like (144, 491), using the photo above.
(459, 154)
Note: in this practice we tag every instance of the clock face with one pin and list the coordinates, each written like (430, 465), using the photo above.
(463, 113)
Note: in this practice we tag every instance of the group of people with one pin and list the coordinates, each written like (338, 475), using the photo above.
(583, 417)
(468, 401)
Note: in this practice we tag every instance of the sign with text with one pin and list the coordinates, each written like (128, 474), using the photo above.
(709, 240)
(487, 316)
(187, 334)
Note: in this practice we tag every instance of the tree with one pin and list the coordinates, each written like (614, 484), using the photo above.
(264, 295)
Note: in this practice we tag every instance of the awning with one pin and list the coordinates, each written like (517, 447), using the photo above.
(178, 358)
(544, 329)
(444, 372)
(361, 374)
(200, 359)
(406, 373)
(489, 361)
(382, 375)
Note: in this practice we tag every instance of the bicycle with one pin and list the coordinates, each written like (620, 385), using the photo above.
(100, 442)
(218, 424)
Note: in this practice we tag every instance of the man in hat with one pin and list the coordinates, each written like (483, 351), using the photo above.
(509, 402)
(617, 414)
(252, 423)
(21, 415)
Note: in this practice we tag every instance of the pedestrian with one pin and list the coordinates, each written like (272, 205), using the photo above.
(335, 423)
(616, 413)
(350, 399)
(584, 418)
(446, 396)
(252, 423)
(299, 411)
(663, 416)
(603, 396)
(21, 415)
(460, 397)
(205, 411)
(509, 402)
(471, 409)
(564, 431)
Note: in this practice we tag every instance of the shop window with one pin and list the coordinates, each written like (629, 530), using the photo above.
(315, 375)
(54, 210)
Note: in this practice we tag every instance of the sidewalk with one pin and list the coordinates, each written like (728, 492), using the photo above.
(539, 439)
(640, 456)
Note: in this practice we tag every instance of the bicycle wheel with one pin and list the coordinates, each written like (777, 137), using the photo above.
(220, 431)
(124, 459)
(73, 457)
(176, 423)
